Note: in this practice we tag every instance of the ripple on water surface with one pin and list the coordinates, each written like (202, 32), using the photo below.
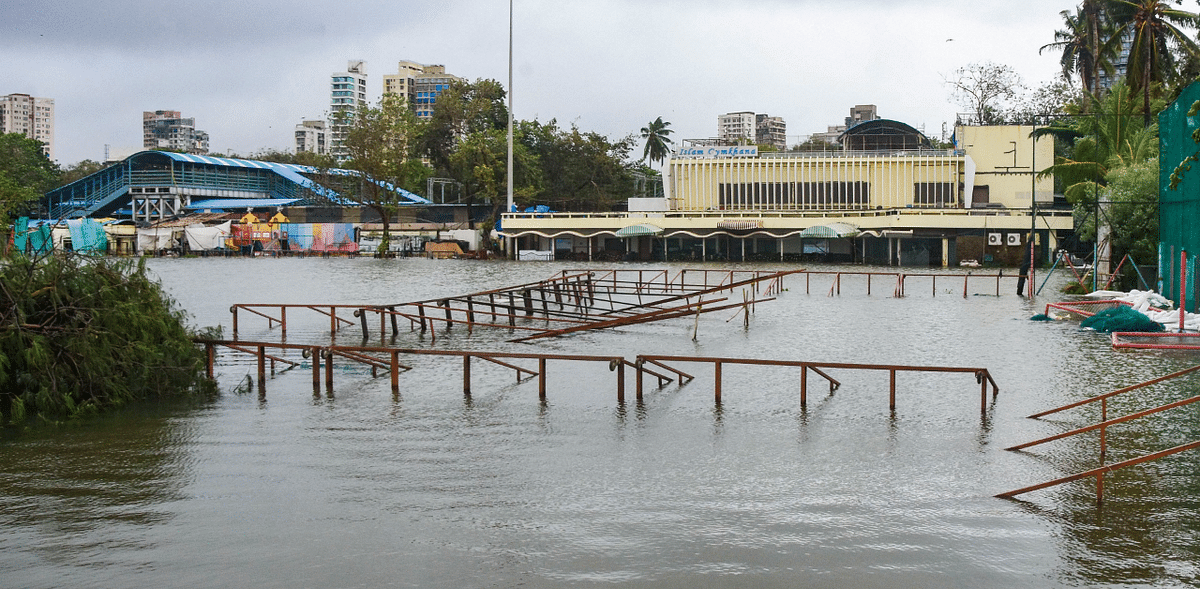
(360, 488)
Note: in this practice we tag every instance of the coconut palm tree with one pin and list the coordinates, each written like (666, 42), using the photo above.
(1153, 26)
(658, 141)
(1084, 45)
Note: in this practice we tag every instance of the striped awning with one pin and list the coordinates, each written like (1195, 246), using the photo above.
(739, 224)
(830, 231)
(639, 230)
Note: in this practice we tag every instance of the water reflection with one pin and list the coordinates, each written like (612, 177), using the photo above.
(429, 486)
(93, 495)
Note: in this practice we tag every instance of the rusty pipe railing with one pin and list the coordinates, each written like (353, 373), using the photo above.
(1102, 427)
(981, 374)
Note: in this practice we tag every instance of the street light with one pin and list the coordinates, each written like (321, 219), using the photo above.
(510, 106)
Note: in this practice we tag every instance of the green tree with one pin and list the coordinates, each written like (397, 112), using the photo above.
(78, 171)
(1106, 139)
(381, 145)
(480, 163)
(1051, 98)
(1156, 36)
(657, 136)
(581, 171)
(25, 173)
(1133, 197)
(80, 335)
(464, 109)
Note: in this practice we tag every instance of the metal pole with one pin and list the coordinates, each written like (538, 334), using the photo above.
(803, 386)
(466, 374)
(1182, 285)
(717, 381)
(510, 107)
(316, 366)
(1032, 207)
(262, 367)
(542, 379)
(210, 359)
(395, 372)
(892, 393)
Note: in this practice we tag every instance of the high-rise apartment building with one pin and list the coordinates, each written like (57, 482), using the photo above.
(749, 128)
(736, 127)
(771, 131)
(167, 129)
(312, 136)
(30, 116)
(347, 93)
(419, 85)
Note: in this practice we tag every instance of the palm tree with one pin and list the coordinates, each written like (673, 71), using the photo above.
(657, 139)
(1153, 26)
(1084, 45)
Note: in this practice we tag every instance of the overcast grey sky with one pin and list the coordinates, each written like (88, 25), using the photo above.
(249, 71)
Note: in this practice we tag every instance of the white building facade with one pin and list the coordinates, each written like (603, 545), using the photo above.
(748, 128)
(347, 93)
(30, 116)
(312, 136)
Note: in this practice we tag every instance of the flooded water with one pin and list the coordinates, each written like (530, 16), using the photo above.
(355, 487)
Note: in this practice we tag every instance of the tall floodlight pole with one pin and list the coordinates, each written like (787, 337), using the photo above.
(510, 106)
(1032, 207)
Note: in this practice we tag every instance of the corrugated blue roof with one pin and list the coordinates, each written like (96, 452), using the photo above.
(290, 171)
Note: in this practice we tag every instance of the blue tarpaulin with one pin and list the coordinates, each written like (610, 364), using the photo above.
(32, 241)
(87, 235)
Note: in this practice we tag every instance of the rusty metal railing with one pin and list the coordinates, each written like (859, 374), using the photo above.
(566, 303)
(900, 279)
(982, 376)
(1102, 428)
(322, 357)
(389, 361)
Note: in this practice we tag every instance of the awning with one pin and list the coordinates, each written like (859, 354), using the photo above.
(639, 230)
(739, 224)
(830, 231)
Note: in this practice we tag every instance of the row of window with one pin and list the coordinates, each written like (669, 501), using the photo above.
(785, 194)
(823, 194)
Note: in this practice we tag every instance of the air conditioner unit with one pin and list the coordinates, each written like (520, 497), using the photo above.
(1014, 239)
(995, 239)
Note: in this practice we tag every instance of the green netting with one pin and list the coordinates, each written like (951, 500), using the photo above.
(1178, 209)
(1121, 318)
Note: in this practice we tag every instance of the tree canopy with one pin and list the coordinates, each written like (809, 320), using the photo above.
(25, 173)
(985, 89)
(382, 144)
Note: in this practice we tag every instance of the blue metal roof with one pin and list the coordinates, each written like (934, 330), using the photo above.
(290, 171)
(106, 188)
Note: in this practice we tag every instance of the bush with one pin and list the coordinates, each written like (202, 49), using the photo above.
(80, 335)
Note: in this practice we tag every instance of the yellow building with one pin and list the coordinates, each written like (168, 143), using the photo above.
(887, 198)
